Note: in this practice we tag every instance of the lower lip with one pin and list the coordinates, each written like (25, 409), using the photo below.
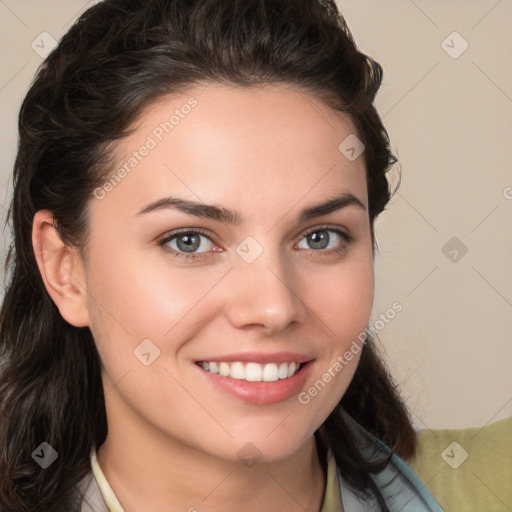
(260, 393)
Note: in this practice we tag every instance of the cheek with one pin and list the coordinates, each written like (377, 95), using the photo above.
(343, 298)
(154, 301)
(133, 298)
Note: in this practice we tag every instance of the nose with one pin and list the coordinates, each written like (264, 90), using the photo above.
(265, 295)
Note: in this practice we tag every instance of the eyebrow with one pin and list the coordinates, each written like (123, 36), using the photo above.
(224, 215)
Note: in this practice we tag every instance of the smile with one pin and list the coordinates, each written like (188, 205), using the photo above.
(252, 372)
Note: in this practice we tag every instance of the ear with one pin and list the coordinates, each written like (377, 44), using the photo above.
(61, 269)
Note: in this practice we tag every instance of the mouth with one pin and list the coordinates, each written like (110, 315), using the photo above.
(257, 383)
(252, 371)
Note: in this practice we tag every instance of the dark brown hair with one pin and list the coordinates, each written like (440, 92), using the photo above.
(120, 56)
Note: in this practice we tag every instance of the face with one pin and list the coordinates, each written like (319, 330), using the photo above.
(229, 268)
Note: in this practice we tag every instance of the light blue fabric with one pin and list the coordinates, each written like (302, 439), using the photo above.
(401, 489)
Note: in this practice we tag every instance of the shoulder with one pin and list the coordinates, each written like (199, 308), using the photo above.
(400, 487)
(468, 468)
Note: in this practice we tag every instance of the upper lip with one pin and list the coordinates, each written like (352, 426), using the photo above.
(260, 357)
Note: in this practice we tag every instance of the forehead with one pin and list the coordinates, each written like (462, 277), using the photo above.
(254, 146)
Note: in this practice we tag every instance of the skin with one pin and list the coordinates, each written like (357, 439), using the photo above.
(267, 152)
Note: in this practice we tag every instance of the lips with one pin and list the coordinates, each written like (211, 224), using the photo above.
(257, 378)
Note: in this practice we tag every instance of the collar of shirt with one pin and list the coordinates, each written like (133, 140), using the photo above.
(331, 501)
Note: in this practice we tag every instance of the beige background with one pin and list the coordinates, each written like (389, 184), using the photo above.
(450, 122)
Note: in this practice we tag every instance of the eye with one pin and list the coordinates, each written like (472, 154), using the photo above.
(195, 244)
(187, 244)
(322, 239)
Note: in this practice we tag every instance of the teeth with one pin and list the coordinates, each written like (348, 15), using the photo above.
(224, 369)
(237, 371)
(252, 372)
(270, 372)
(282, 373)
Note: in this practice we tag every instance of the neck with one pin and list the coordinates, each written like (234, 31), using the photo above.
(149, 471)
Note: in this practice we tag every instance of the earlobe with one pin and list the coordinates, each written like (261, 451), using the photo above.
(61, 269)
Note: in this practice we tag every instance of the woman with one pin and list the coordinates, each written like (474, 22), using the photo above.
(186, 321)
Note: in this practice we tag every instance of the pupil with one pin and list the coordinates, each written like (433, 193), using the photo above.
(319, 240)
(188, 243)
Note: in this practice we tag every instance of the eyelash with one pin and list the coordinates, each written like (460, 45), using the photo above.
(196, 231)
